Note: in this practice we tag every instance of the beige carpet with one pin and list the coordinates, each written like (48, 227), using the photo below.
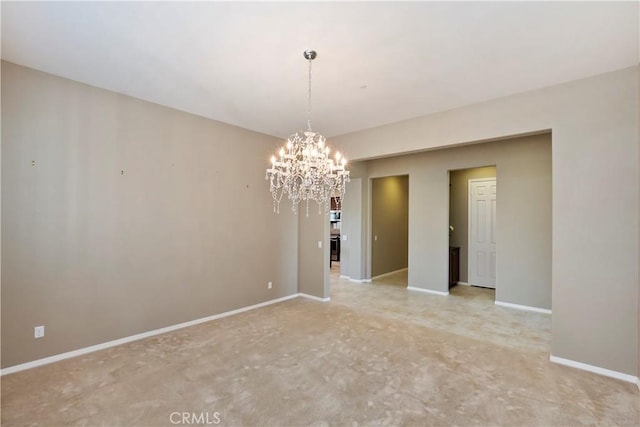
(378, 354)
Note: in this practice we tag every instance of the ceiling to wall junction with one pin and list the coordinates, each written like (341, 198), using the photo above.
(378, 62)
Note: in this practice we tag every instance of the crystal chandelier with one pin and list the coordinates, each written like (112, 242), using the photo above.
(303, 168)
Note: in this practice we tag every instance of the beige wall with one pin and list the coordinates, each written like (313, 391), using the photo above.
(353, 224)
(350, 230)
(186, 230)
(313, 266)
(389, 224)
(459, 210)
(595, 172)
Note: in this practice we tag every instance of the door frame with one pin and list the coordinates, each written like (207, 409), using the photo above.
(370, 237)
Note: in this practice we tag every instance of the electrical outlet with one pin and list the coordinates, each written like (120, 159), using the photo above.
(270, 285)
(38, 332)
(344, 237)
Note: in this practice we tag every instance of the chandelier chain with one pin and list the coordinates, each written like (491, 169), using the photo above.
(309, 98)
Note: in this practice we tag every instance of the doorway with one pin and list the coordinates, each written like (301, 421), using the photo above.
(389, 225)
(335, 220)
(460, 227)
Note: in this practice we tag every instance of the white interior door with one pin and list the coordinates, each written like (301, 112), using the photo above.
(482, 232)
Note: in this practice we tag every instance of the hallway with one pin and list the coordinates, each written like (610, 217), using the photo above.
(468, 311)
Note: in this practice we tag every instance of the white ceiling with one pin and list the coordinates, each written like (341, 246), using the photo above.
(242, 63)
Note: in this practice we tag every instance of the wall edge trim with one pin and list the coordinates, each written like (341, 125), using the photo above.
(389, 273)
(125, 340)
(428, 291)
(522, 307)
(595, 369)
(313, 297)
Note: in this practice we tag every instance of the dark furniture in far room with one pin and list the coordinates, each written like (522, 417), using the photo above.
(454, 266)
(334, 254)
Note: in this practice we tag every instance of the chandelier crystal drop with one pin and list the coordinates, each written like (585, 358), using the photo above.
(304, 168)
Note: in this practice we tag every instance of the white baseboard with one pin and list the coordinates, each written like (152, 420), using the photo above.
(313, 297)
(125, 340)
(389, 273)
(463, 283)
(523, 307)
(360, 280)
(344, 277)
(428, 291)
(595, 369)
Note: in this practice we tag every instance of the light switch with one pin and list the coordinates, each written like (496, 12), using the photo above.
(319, 244)
(344, 237)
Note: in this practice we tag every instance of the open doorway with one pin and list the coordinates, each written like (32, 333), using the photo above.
(472, 225)
(389, 225)
(335, 227)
